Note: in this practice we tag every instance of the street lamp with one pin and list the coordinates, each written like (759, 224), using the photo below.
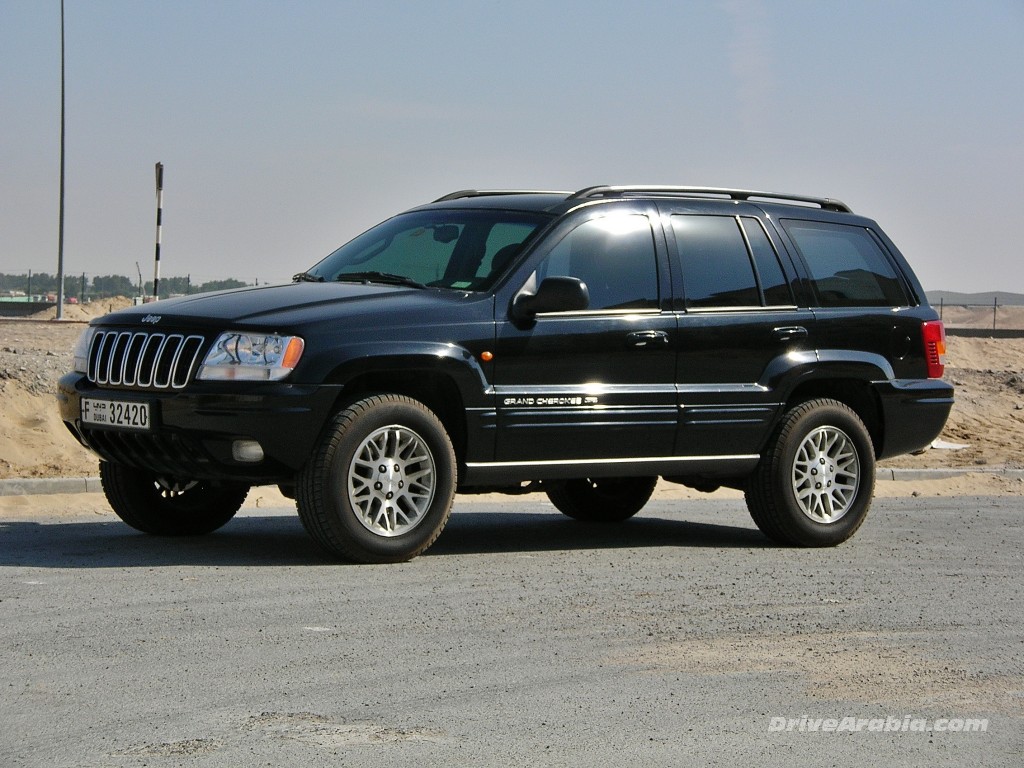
(60, 227)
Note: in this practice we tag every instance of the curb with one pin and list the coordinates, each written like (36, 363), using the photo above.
(44, 486)
(49, 485)
(942, 474)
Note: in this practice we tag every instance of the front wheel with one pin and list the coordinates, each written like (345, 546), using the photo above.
(168, 506)
(602, 499)
(814, 484)
(380, 486)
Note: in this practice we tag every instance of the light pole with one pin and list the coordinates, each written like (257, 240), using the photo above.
(60, 226)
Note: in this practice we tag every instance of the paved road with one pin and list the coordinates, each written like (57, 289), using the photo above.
(679, 638)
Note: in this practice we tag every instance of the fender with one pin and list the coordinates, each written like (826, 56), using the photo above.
(409, 357)
(786, 372)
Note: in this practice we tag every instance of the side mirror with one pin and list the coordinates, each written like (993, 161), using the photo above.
(555, 294)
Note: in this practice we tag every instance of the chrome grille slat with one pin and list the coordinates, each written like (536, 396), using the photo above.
(144, 360)
(189, 351)
(130, 377)
(115, 373)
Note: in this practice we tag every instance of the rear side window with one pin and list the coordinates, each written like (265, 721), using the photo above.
(847, 265)
(728, 261)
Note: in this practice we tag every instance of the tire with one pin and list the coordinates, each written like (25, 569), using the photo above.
(165, 506)
(814, 485)
(380, 485)
(601, 500)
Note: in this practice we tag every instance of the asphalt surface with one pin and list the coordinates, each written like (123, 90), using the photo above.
(52, 485)
(679, 638)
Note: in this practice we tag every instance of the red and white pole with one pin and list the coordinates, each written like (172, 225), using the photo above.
(159, 227)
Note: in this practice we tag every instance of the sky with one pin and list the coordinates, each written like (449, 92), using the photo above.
(287, 128)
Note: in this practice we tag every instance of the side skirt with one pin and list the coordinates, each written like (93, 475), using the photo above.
(495, 473)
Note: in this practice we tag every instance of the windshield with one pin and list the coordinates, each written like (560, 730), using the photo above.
(465, 250)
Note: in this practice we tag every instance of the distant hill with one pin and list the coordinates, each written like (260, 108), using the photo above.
(953, 298)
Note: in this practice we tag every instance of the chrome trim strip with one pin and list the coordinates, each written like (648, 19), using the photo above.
(630, 460)
(724, 309)
(589, 388)
(644, 311)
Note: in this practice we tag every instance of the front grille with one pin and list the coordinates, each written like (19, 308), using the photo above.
(137, 359)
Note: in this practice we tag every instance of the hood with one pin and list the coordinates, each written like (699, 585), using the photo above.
(290, 306)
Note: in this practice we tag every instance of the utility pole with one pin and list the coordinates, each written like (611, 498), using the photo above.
(60, 227)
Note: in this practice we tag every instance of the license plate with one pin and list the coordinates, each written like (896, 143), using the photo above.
(115, 413)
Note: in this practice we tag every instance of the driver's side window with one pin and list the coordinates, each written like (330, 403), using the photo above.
(614, 255)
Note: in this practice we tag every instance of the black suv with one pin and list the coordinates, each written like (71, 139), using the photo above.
(582, 344)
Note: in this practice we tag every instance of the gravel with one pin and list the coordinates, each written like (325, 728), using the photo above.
(37, 370)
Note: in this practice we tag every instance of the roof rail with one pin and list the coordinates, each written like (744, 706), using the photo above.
(825, 203)
(463, 193)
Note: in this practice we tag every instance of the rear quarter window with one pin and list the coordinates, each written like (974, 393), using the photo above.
(847, 265)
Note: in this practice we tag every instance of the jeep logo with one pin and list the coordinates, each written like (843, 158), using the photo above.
(154, 319)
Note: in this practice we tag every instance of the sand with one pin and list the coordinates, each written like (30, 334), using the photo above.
(988, 417)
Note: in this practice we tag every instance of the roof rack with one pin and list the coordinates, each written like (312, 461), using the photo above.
(463, 193)
(825, 203)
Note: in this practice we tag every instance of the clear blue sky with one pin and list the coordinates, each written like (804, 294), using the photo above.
(286, 128)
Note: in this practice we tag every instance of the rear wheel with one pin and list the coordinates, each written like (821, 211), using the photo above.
(168, 506)
(813, 487)
(601, 500)
(380, 486)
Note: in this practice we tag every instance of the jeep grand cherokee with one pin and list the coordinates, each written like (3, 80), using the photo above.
(581, 344)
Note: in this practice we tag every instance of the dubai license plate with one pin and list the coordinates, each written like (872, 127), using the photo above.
(115, 413)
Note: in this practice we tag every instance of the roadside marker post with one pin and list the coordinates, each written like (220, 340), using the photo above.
(159, 228)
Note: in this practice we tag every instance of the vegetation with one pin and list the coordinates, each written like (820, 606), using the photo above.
(84, 288)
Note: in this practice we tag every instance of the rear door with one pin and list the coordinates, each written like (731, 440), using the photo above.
(596, 384)
(741, 332)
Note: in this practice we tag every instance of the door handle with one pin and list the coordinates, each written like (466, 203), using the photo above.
(646, 338)
(789, 333)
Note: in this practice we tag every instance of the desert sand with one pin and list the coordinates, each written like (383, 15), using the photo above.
(987, 420)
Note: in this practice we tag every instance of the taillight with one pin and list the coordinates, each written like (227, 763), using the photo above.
(934, 334)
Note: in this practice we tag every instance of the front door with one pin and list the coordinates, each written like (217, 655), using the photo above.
(594, 384)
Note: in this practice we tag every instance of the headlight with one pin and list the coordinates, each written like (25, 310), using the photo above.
(251, 357)
(81, 353)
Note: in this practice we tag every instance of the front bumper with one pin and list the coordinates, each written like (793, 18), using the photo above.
(192, 432)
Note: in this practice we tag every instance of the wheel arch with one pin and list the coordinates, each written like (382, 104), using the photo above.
(436, 389)
(446, 377)
(857, 394)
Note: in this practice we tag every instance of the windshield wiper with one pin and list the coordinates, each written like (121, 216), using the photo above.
(306, 277)
(378, 277)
